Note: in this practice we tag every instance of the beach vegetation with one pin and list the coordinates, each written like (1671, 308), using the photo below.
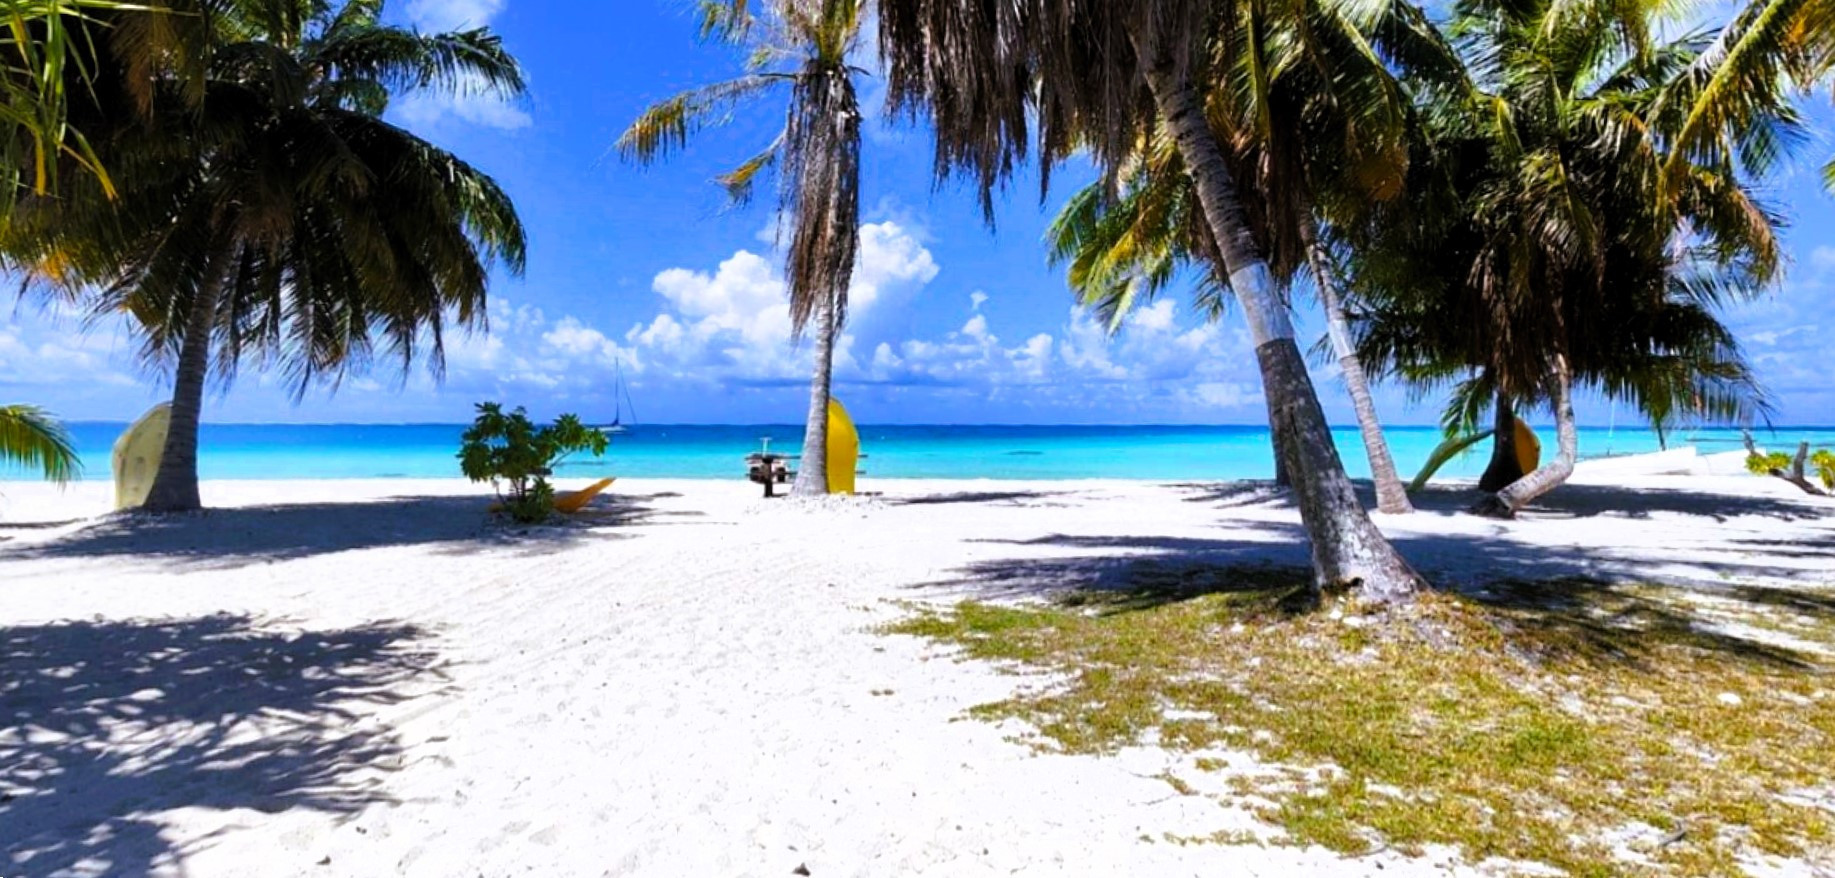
(516, 457)
(31, 438)
(803, 47)
(998, 80)
(1315, 124)
(1795, 469)
(1555, 234)
(1596, 729)
(263, 212)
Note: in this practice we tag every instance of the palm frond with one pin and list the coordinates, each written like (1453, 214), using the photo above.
(30, 437)
(666, 125)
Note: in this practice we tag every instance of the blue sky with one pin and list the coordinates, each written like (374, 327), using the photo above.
(952, 322)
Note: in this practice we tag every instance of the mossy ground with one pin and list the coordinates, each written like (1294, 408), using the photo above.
(1601, 730)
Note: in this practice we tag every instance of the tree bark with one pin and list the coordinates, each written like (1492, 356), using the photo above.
(812, 471)
(1551, 475)
(1282, 478)
(1391, 496)
(1504, 467)
(1347, 549)
(175, 484)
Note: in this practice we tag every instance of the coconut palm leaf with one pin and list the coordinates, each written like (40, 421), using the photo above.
(29, 437)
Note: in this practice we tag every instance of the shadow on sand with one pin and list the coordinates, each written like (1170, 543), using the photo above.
(1567, 501)
(104, 725)
(1012, 498)
(1052, 565)
(239, 536)
(1547, 613)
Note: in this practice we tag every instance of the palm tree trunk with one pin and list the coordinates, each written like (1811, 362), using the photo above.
(812, 473)
(1504, 467)
(175, 485)
(1282, 478)
(1551, 475)
(1391, 496)
(1346, 547)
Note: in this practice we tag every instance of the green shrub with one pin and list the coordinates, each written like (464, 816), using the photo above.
(1822, 463)
(508, 451)
(1766, 464)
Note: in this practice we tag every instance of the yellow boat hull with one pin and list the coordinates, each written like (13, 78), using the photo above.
(843, 449)
(1528, 447)
(137, 455)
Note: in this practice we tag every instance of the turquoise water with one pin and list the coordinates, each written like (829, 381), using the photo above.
(274, 451)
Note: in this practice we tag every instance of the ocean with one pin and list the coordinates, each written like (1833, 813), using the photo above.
(350, 451)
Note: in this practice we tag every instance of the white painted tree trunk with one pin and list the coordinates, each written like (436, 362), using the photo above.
(1391, 495)
(812, 470)
(1347, 549)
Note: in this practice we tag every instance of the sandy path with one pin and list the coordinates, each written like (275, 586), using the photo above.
(689, 687)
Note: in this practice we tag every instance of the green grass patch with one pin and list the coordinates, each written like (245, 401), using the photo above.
(1600, 730)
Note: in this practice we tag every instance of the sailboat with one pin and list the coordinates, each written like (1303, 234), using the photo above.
(621, 403)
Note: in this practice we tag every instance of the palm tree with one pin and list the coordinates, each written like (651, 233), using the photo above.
(1308, 116)
(1547, 244)
(802, 45)
(1099, 76)
(51, 51)
(283, 221)
(29, 437)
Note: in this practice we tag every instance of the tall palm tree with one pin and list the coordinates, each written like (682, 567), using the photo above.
(1547, 243)
(1099, 76)
(1308, 116)
(281, 220)
(29, 437)
(802, 45)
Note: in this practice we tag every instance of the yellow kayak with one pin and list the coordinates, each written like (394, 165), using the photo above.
(843, 449)
(137, 455)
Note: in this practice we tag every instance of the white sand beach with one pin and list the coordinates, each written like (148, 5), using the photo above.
(370, 678)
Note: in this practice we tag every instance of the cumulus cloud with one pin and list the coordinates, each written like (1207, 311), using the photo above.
(49, 358)
(717, 337)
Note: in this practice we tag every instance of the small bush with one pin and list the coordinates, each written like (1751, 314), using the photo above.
(508, 451)
(1766, 464)
(1822, 464)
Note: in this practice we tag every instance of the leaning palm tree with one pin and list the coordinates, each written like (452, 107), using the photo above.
(1315, 119)
(29, 437)
(802, 45)
(1098, 76)
(279, 220)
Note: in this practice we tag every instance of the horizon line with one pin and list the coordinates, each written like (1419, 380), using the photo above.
(789, 425)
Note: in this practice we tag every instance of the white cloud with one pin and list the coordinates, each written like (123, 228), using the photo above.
(445, 15)
(734, 323)
(977, 328)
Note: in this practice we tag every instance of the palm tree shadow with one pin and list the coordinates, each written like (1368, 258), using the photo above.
(1568, 616)
(1014, 498)
(1568, 501)
(104, 725)
(234, 537)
